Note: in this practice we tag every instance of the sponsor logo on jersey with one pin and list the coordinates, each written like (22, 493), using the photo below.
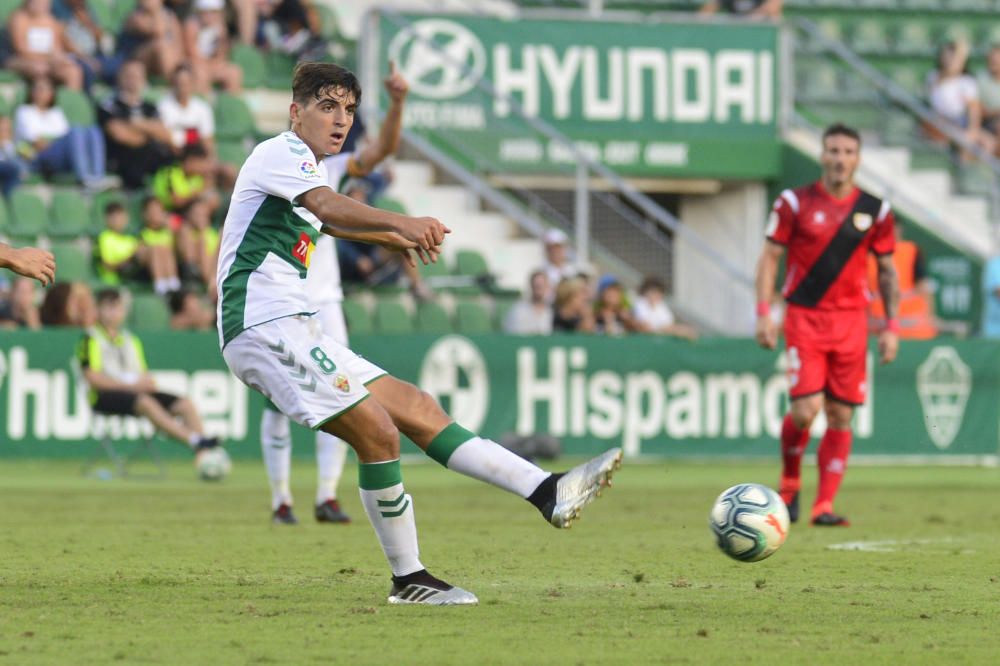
(342, 383)
(308, 169)
(862, 221)
(303, 249)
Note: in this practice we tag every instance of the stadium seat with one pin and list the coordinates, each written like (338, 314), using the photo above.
(233, 151)
(149, 313)
(388, 203)
(4, 216)
(7, 8)
(72, 262)
(29, 215)
(233, 119)
(470, 262)
(471, 318)
(392, 317)
(69, 214)
(329, 27)
(818, 80)
(900, 128)
(432, 318)
(359, 322)
(279, 70)
(501, 306)
(913, 37)
(870, 36)
(120, 11)
(77, 106)
(252, 63)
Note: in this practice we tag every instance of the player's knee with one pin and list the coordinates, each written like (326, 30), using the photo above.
(838, 416)
(183, 405)
(804, 413)
(383, 439)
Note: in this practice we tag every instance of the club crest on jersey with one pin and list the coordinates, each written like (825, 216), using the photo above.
(303, 249)
(342, 383)
(862, 221)
(308, 169)
(819, 217)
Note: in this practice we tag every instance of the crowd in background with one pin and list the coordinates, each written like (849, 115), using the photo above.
(969, 100)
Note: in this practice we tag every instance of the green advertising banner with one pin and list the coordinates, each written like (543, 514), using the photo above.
(654, 99)
(653, 396)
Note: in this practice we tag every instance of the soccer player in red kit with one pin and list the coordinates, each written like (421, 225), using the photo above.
(828, 228)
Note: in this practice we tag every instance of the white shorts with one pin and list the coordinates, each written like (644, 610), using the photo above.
(331, 317)
(307, 374)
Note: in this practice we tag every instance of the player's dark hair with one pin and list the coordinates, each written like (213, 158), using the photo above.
(113, 207)
(108, 296)
(840, 129)
(312, 79)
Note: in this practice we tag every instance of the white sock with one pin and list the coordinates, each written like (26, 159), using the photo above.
(173, 283)
(330, 455)
(161, 286)
(193, 439)
(276, 445)
(390, 511)
(460, 450)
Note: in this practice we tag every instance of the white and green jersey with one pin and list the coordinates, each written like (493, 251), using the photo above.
(267, 240)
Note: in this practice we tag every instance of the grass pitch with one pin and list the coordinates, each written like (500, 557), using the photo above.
(182, 572)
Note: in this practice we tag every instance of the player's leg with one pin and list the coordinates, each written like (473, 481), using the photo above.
(806, 375)
(276, 449)
(331, 452)
(559, 497)
(834, 449)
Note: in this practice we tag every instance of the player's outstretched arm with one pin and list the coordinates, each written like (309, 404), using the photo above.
(391, 241)
(888, 287)
(767, 273)
(29, 262)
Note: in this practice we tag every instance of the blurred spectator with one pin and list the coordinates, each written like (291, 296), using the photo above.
(954, 96)
(158, 240)
(189, 313)
(991, 298)
(20, 308)
(91, 46)
(68, 304)
(119, 253)
(40, 47)
(45, 137)
(573, 311)
(989, 91)
(198, 247)
(748, 8)
(206, 45)
(653, 315)
(245, 17)
(557, 264)
(152, 34)
(12, 167)
(177, 186)
(916, 294)
(188, 118)
(533, 315)
(292, 27)
(137, 141)
(611, 311)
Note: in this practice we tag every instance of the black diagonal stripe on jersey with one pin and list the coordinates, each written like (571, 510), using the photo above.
(831, 261)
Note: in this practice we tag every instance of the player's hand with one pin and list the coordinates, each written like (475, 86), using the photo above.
(395, 84)
(34, 263)
(427, 232)
(888, 347)
(767, 333)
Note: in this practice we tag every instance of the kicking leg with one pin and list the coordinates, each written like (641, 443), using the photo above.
(276, 447)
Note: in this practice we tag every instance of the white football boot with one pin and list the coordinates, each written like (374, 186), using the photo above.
(582, 485)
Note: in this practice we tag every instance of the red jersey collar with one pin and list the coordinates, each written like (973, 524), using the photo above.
(850, 198)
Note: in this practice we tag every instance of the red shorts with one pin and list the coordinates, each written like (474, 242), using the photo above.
(827, 353)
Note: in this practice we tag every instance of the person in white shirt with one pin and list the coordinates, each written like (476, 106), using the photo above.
(53, 146)
(558, 266)
(653, 315)
(533, 315)
(189, 119)
(954, 96)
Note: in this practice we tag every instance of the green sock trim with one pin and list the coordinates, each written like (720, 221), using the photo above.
(376, 476)
(447, 441)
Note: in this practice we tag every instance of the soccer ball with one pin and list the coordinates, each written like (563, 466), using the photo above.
(749, 522)
(213, 464)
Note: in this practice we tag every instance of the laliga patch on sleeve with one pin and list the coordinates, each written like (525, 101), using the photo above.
(308, 169)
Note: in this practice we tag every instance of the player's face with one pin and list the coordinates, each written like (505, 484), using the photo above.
(839, 160)
(324, 122)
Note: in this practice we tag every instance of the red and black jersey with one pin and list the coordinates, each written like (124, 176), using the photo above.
(828, 242)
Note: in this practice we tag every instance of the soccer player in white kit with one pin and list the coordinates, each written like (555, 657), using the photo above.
(272, 341)
(327, 296)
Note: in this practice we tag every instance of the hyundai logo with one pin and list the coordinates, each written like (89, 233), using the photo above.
(440, 59)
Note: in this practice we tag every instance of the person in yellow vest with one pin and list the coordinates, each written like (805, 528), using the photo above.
(198, 246)
(192, 179)
(158, 239)
(120, 255)
(916, 296)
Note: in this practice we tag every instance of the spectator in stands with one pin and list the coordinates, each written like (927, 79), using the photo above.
(755, 9)
(90, 44)
(188, 118)
(954, 96)
(573, 311)
(533, 315)
(179, 185)
(916, 292)
(292, 27)
(557, 264)
(20, 308)
(206, 45)
(612, 314)
(138, 143)
(653, 315)
(991, 298)
(68, 304)
(198, 247)
(119, 254)
(152, 34)
(989, 91)
(52, 145)
(40, 47)
(158, 240)
(12, 167)
(189, 313)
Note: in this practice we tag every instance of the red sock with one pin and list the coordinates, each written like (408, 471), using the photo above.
(834, 449)
(793, 444)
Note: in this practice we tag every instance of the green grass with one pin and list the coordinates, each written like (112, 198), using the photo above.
(179, 572)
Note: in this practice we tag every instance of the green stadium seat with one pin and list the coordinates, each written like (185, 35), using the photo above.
(976, 179)
(914, 37)
(232, 151)
(392, 317)
(77, 106)
(432, 318)
(501, 306)
(30, 218)
(471, 318)
(103, 12)
(359, 322)
(329, 26)
(900, 128)
(70, 217)
(120, 11)
(149, 312)
(279, 70)
(7, 8)
(252, 63)
(831, 28)
(470, 264)
(989, 34)
(388, 203)
(817, 80)
(4, 216)
(73, 263)
(233, 119)
(870, 37)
